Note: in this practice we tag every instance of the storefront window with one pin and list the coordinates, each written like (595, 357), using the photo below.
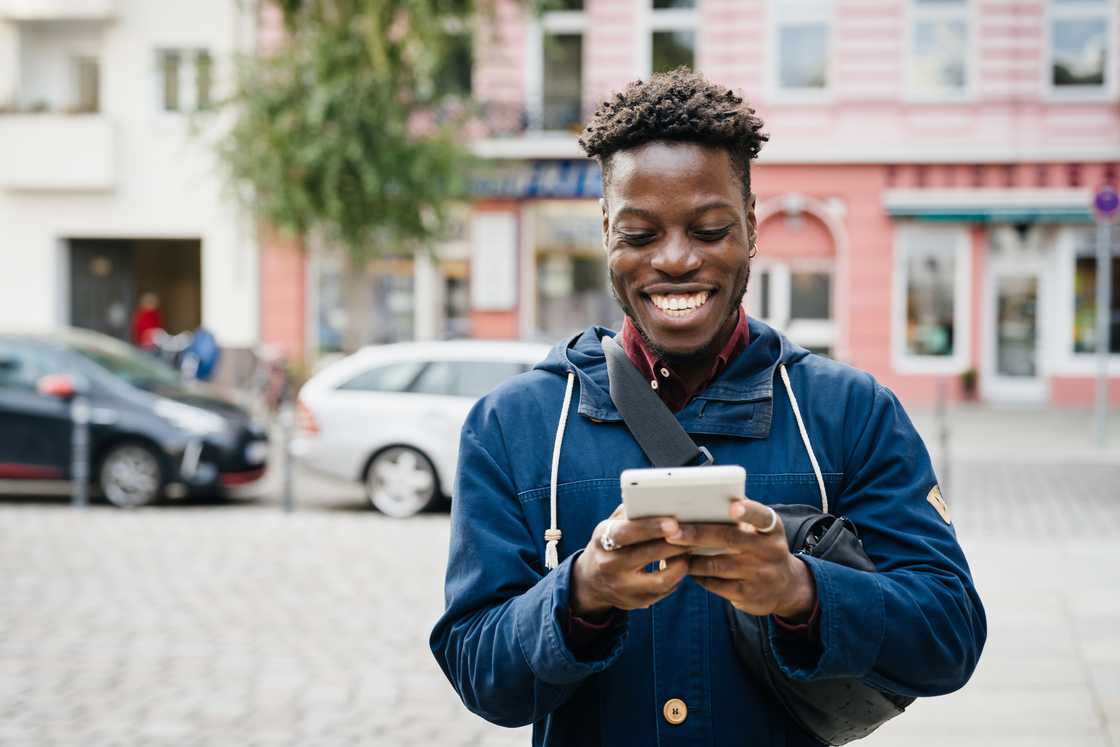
(930, 299)
(571, 268)
(1085, 306)
(810, 295)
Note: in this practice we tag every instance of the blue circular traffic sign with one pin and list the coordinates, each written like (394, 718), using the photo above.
(1106, 202)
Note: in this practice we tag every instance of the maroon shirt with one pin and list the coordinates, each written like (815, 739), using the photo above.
(584, 637)
(669, 386)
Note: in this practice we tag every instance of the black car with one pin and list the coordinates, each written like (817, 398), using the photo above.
(150, 433)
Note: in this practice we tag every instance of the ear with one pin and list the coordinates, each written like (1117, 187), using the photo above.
(606, 221)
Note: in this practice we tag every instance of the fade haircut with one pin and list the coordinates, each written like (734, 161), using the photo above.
(679, 106)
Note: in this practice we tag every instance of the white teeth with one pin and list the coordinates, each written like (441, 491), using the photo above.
(680, 304)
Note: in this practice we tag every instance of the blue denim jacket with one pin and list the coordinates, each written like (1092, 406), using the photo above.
(915, 628)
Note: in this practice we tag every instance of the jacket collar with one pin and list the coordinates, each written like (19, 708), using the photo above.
(738, 403)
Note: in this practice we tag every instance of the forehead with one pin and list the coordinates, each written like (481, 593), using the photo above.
(680, 171)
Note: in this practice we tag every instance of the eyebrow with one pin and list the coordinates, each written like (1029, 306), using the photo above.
(651, 216)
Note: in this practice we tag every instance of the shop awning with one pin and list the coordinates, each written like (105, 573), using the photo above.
(991, 205)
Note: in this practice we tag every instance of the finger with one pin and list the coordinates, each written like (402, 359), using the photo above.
(717, 566)
(731, 536)
(758, 515)
(644, 553)
(628, 532)
(653, 586)
(726, 588)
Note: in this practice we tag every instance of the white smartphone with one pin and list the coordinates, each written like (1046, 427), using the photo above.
(690, 494)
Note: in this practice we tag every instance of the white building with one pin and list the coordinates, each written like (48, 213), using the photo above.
(108, 185)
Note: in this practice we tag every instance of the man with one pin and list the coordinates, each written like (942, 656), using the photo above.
(601, 651)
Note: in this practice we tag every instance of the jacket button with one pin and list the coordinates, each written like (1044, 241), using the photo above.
(675, 711)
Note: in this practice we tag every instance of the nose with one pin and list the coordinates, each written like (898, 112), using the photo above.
(676, 257)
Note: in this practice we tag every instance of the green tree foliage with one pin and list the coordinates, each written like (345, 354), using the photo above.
(346, 130)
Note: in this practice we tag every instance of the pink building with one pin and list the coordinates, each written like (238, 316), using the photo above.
(924, 200)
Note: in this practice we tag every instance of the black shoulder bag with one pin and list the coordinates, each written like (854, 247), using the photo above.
(834, 711)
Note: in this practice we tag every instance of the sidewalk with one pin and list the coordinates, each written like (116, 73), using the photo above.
(984, 432)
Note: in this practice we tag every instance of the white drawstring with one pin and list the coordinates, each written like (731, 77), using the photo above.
(805, 438)
(553, 534)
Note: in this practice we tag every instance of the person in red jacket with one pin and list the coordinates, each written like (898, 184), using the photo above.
(146, 320)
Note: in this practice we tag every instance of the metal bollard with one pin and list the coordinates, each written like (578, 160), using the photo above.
(79, 451)
(287, 422)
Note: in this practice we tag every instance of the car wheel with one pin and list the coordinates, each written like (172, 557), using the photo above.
(130, 476)
(401, 481)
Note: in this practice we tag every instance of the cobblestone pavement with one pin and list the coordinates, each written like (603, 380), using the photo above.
(237, 624)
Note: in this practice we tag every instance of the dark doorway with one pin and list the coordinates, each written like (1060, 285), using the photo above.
(108, 276)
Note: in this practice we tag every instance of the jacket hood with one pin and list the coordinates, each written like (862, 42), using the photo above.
(749, 377)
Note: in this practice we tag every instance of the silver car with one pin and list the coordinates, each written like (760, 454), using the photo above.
(389, 416)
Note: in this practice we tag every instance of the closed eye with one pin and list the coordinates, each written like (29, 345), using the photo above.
(636, 239)
(714, 234)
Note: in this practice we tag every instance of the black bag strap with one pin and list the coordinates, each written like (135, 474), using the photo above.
(653, 425)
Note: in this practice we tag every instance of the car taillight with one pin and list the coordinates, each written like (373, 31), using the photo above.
(305, 419)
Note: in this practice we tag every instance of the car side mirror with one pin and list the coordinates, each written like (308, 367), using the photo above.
(60, 386)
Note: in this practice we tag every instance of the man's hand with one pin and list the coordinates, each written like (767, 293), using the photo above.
(758, 575)
(603, 579)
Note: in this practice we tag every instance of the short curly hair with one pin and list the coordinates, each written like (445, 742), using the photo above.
(681, 106)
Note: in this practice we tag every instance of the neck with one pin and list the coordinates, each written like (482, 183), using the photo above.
(694, 369)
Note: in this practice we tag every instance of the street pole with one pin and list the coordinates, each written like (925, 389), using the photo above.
(1106, 205)
(287, 423)
(1104, 323)
(943, 434)
(79, 451)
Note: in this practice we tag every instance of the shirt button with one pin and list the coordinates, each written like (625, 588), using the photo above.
(653, 384)
(665, 372)
(675, 711)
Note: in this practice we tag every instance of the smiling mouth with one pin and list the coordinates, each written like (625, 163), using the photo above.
(680, 305)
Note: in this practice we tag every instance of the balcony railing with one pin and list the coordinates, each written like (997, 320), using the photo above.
(57, 152)
(58, 10)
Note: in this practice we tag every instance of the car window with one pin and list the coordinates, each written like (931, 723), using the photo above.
(21, 366)
(391, 377)
(137, 368)
(464, 378)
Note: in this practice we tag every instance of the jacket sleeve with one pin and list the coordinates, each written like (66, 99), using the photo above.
(500, 640)
(917, 626)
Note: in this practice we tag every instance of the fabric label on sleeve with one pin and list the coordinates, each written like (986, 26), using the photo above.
(938, 503)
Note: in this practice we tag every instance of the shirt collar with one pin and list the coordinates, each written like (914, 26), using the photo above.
(668, 385)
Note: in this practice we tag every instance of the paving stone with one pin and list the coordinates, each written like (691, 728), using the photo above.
(222, 624)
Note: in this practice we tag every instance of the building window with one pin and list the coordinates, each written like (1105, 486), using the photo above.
(939, 45)
(170, 65)
(931, 291)
(1085, 306)
(563, 81)
(452, 76)
(186, 79)
(672, 36)
(1079, 45)
(87, 85)
(801, 43)
(555, 76)
(796, 297)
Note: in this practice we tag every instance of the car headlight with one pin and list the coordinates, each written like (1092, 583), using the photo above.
(256, 452)
(191, 419)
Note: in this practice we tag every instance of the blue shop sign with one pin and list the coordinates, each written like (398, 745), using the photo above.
(540, 179)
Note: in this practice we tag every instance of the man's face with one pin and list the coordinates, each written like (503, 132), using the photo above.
(678, 235)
